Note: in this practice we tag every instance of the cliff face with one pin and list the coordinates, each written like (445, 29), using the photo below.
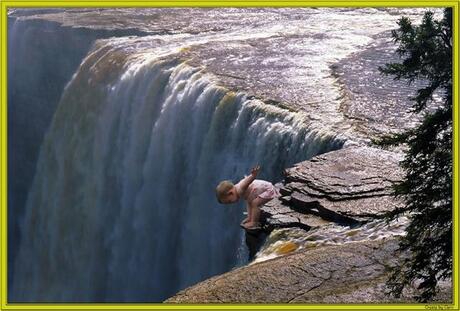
(351, 187)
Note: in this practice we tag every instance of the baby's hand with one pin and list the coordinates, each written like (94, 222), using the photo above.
(255, 171)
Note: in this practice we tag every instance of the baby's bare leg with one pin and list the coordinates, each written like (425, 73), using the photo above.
(250, 223)
(248, 210)
(248, 217)
(255, 210)
(255, 213)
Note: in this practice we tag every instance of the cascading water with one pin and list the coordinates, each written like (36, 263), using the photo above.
(45, 57)
(288, 240)
(122, 207)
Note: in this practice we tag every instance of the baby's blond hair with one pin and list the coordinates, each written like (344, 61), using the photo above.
(222, 189)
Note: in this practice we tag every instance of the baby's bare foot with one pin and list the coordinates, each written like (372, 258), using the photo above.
(251, 225)
(244, 222)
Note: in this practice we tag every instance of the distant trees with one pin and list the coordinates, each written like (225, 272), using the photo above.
(426, 52)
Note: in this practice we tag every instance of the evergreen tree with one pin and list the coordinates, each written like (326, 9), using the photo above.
(426, 53)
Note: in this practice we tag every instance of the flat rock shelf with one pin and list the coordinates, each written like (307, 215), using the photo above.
(348, 186)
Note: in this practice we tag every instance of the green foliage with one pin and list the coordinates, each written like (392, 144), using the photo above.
(426, 52)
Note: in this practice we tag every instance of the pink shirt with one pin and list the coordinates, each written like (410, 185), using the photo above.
(258, 188)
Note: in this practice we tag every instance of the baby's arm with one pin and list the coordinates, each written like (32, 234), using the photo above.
(245, 182)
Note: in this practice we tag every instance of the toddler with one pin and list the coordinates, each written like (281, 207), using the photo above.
(256, 192)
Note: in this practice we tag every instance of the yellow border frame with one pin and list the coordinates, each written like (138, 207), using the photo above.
(212, 3)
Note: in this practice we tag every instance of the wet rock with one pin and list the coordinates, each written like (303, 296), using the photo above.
(362, 88)
(347, 186)
(278, 215)
(354, 272)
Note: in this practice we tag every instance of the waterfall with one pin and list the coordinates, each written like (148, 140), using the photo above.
(122, 205)
(45, 55)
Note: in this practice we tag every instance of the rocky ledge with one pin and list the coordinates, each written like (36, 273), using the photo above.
(348, 186)
(351, 273)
